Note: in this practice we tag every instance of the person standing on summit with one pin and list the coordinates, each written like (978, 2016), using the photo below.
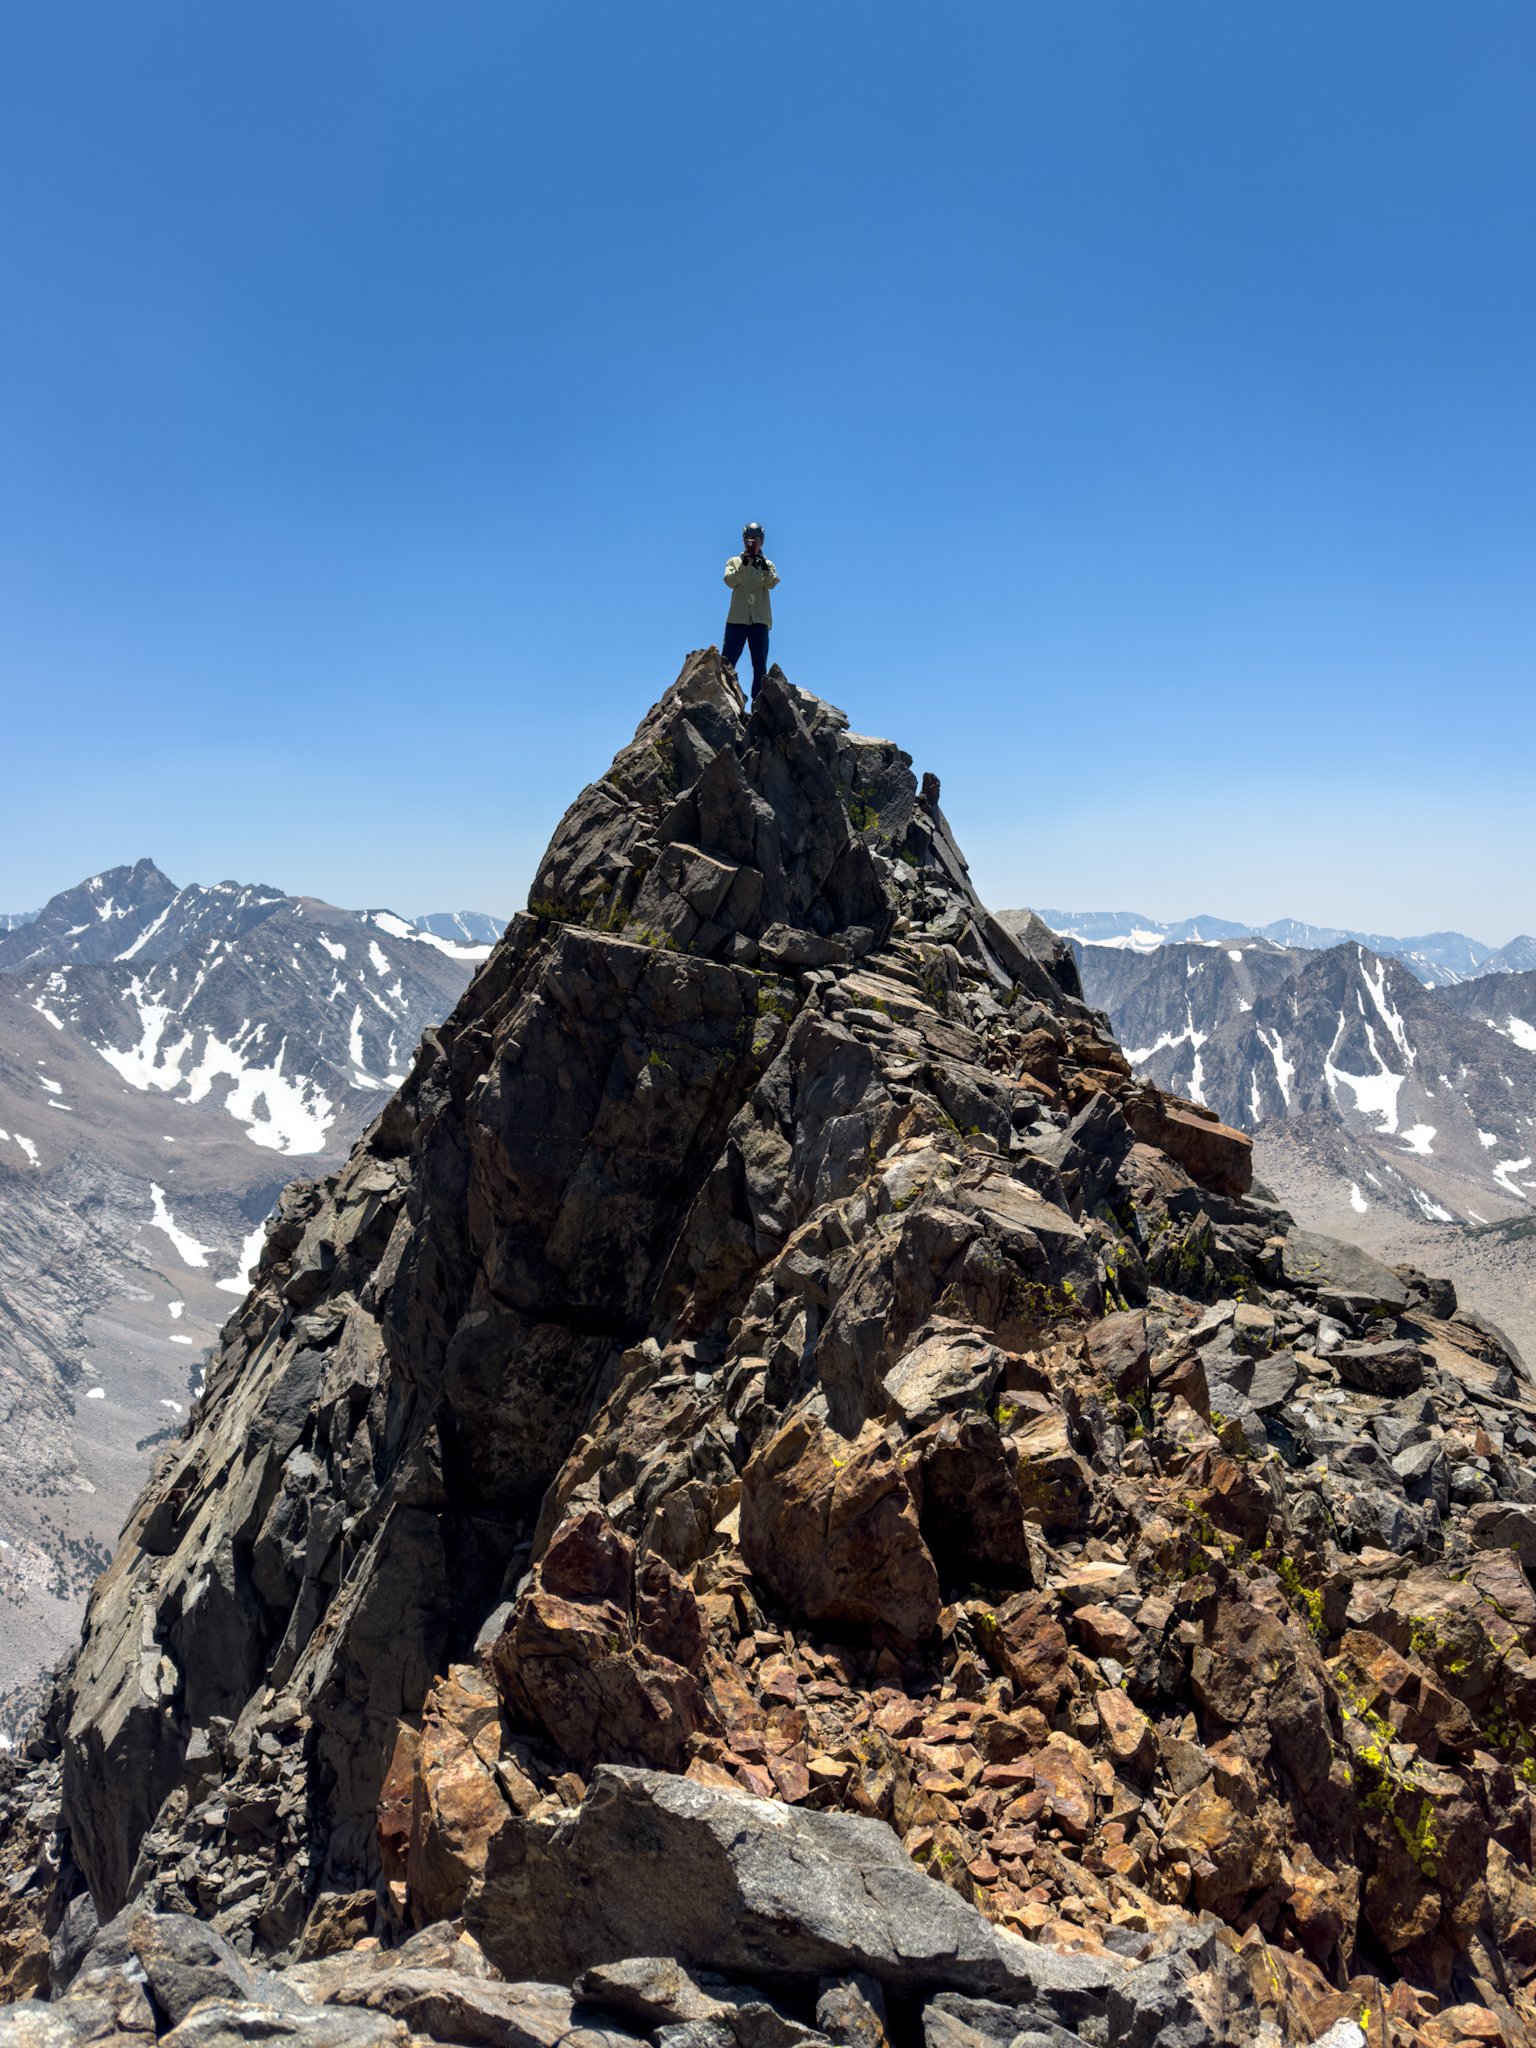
(749, 577)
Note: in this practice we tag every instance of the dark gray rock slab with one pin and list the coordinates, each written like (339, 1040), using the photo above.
(478, 2013)
(1264, 1384)
(1395, 1433)
(944, 2028)
(222, 2023)
(1490, 1330)
(1426, 1475)
(1366, 1462)
(1391, 1369)
(785, 947)
(1193, 1995)
(945, 1375)
(77, 1929)
(1500, 1525)
(1064, 1998)
(656, 1991)
(1385, 1519)
(33, 2023)
(1094, 1145)
(1331, 1266)
(183, 1960)
(657, 1865)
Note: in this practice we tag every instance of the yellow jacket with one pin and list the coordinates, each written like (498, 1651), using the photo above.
(749, 583)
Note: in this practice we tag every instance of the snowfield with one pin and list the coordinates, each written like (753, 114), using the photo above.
(281, 1112)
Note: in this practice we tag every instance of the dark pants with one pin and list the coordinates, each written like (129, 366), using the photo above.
(753, 637)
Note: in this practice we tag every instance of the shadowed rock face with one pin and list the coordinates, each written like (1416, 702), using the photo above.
(778, 1453)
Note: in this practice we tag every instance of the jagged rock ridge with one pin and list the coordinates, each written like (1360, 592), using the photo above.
(772, 1376)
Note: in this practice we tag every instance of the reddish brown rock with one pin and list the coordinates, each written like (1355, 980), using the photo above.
(1037, 1057)
(1009, 1738)
(1117, 1349)
(1052, 1478)
(947, 1856)
(1427, 1890)
(1105, 1632)
(832, 1528)
(1237, 1500)
(1129, 1737)
(1230, 1853)
(1027, 1643)
(1212, 1153)
(667, 1615)
(880, 1784)
(1180, 1373)
(574, 1666)
(1512, 1906)
(588, 1560)
(1064, 1775)
(1252, 1669)
(397, 1803)
(457, 1807)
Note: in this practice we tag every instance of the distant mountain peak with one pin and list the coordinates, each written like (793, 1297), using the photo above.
(93, 921)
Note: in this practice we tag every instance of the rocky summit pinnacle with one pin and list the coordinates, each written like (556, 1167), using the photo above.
(782, 1496)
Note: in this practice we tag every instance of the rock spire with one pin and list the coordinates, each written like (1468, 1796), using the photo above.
(781, 1495)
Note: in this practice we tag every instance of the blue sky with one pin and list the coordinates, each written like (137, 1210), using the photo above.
(1139, 401)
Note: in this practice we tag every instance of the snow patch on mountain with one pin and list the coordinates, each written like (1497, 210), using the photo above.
(192, 1253)
(465, 927)
(397, 927)
(1285, 1070)
(281, 1112)
(1376, 987)
(246, 1260)
(1374, 1094)
(1437, 959)
(1188, 1036)
(148, 933)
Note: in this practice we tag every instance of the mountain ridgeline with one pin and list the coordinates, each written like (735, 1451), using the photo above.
(784, 1495)
(1439, 1084)
(1438, 959)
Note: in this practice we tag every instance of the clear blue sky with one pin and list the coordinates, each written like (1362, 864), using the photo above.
(1139, 401)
